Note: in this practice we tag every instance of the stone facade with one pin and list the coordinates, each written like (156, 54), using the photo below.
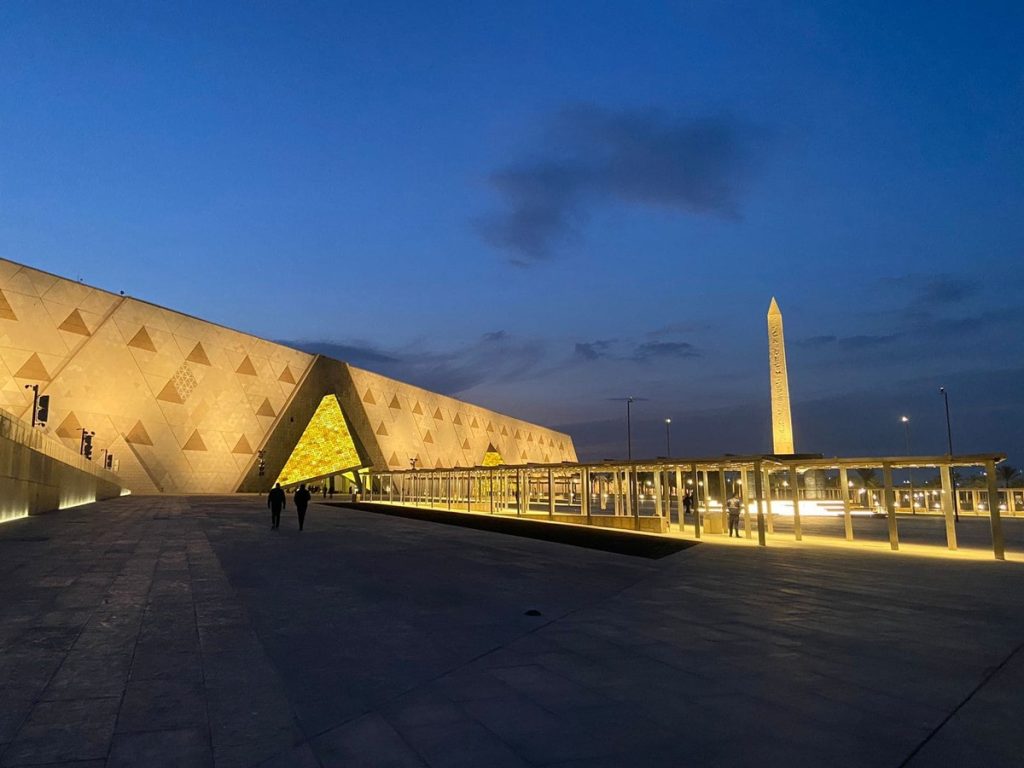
(186, 405)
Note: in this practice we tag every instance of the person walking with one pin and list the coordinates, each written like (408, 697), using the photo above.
(276, 502)
(302, 497)
(733, 507)
(688, 501)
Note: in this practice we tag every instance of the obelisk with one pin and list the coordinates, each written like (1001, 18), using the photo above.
(782, 422)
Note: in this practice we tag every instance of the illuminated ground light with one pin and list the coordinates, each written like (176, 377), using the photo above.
(325, 448)
(7, 514)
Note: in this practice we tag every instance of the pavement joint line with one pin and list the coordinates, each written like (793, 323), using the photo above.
(984, 681)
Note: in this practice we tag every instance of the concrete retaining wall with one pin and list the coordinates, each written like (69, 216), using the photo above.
(38, 474)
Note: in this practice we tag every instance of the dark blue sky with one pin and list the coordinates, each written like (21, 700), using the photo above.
(542, 206)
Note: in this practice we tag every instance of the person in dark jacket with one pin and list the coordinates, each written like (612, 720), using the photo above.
(302, 497)
(276, 502)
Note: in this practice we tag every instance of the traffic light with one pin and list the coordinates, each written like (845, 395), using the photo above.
(109, 461)
(262, 463)
(43, 409)
(87, 446)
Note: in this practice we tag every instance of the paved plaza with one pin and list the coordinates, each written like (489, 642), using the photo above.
(182, 631)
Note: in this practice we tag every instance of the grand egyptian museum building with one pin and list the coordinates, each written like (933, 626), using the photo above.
(188, 406)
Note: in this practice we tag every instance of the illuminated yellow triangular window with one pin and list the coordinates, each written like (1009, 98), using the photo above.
(325, 448)
(491, 457)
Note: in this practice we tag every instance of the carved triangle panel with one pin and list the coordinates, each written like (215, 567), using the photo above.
(242, 446)
(70, 427)
(138, 435)
(286, 376)
(169, 394)
(34, 369)
(6, 310)
(246, 368)
(266, 409)
(198, 355)
(194, 443)
(74, 323)
(142, 340)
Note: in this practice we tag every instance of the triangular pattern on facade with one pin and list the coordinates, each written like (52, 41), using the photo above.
(381, 430)
(6, 310)
(266, 409)
(393, 461)
(417, 409)
(438, 415)
(394, 403)
(70, 427)
(74, 323)
(138, 435)
(286, 376)
(169, 394)
(368, 397)
(325, 448)
(198, 355)
(142, 340)
(242, 446)
(194, 443)
(34, 369)
(246, 368)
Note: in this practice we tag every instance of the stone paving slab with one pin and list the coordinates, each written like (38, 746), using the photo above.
(183, 631)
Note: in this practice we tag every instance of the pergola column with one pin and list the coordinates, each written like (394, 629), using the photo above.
(947, 505)
(743, 500)
(794, 482)
(657, 494)
(890, 505)
(722, 493)
(844, 489)
(585, 492)
(551, 493)
(767, 480)
(679, 497)
(998, 545)
(758, 489)
(696, 504)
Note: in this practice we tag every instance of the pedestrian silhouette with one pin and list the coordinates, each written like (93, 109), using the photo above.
(276, 502)
(302, 497)
(733, 507)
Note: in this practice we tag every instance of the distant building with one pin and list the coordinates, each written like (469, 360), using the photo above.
(188, 406)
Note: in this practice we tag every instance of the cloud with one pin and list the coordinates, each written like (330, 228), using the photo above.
(357, 353)
(495, 356)
(593, 350)
(663, 349)
(943, 289)
(593, 155)
(860, 341)
(605, 349)
(817, 341)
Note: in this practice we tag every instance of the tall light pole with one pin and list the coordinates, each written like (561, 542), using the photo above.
(910, 471)
(668, 438)
(949, 452)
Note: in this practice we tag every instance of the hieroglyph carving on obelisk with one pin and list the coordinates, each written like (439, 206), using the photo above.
(782, 422)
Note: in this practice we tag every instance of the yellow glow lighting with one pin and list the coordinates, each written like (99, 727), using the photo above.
(325, 448)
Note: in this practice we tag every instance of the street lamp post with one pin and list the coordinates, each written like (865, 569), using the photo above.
(668, 438)
(949, 452)
(910, 471)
